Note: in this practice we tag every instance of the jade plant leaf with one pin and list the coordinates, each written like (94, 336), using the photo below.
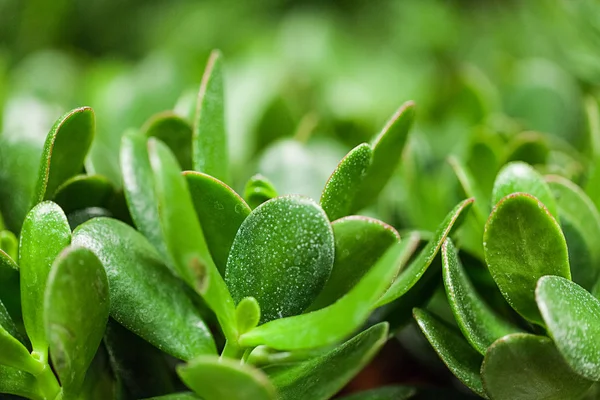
(220, 210)
(14, 353)
(409, 276)
(258, 190)
(572, 316)
(387, 151)
(517, 177)
(7, 324)
(344, 183)
(335, 322)
(45, 233)
(19, 383)
(209, 142)
(173, 131)
(359, 243)
(282, 255)
(522, 243)
(247, 314)
(83, 191)
(481, 208)
(76, 309)
(10, 294)
(384, 393)
(580, 223)
(64, 152)
(453, 349)
(321, 377)
(480, 325)
(523, 366)
(141, 285)
(184, 238)
(214, 378)
(9, 244)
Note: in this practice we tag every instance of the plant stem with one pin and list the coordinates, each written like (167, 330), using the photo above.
(48, 383)
(233, 350)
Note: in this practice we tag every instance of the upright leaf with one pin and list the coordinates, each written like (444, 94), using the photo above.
(209, 142)
(45, 233)
(282, 256)
(173, 131)
(258, 190)
(76, 309)
(522, 243)
(64, 152)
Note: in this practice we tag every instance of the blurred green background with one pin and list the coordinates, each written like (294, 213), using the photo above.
(306, 81)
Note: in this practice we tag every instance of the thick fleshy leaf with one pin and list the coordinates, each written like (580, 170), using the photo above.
(321, 377)
(580, 222)
(282, 256)
(518, 177)
(384, 393)
(528, 367)
(173, 131)
(76, 309)
(387, 151)
(247, 314)
(344, 183)
(335, 322)
(9, 244)
(530, 147)
(8, 324)
(220, 210)
(10, 295)
(522, 243)
(480, 325)
(481, 208)
(65, 150)
(214, 378)
(45, 234)
(19, 383)
(209, 143)
(141, 285)
(184, 238)
(258, 190)
(572, 316)
(359, 243)
(409, 276)
(83, 191)
(460, 358)
(14, 353)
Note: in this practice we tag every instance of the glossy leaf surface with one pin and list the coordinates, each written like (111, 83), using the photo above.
(453, 349)
(247, 314)
(213, 378)
(522, 243)
(19, 383)
(258, 190)
(534, 368)
(45, 233)
(83, 191)
(343, 184)
(220, 210)
(282, 255)
(141, 286)
(173, 131)
(572, 316)
(76, 309)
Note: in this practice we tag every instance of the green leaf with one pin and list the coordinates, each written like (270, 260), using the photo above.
(184, 238)
(522, 367)
(247, 314)
(344, 183)
(83, 191)
(76, 310)
(530, 147)
(517, 177)
(10, 283)
(258, 190)
(384, 393)
(220, 210)
(387, 151)
(580, 223)
(335, 322)
(45, 233)
(282, 256)
(478, 322)
(359, 243)
(471, 189)
(214, 378)
(14, 353)
(572, 316)
(321, 377)
(19, 383)
(7, 324)
(209, 142)
(522, 243)
(173, 131)
(9, 244)
(411, 275)
(460, 358)
(140, 286)
(64, 152)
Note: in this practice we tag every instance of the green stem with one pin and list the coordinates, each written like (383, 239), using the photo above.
(233, 350)
(48, 383)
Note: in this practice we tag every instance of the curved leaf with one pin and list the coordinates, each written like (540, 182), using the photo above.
(173, 131)
(282, 256)
(14, 353)
(83, 191)
(258, 190)
(522, 243)
(19, 383)
(247, 314)
(9, 244)
(10, 295)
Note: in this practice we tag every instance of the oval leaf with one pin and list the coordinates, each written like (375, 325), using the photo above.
(247, 314)
(522, 243)
(173, 131)
(75, 310)
(344, 183)
(282, 255)
(144, 296)
(83, 191)
(258, 190)
(528, 367)
(572, 316)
